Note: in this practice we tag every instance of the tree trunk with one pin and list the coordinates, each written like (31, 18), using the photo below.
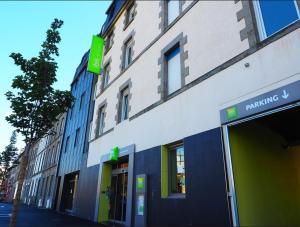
(21, 178)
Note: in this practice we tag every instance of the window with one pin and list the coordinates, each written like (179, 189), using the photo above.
(101, 117)
(124, 104)
(129, 14)
(177, 171)
(76, 137)
(61, 125)
(71, 110)
(108, 43)
(173, 170)
(53, 155)
(173, 70)
(67, 144)
(50, 185)
(274, 15)
(105, 78)
(75, 85)
(172, 10)
(128, 53)
(82, 100)
(57, 152)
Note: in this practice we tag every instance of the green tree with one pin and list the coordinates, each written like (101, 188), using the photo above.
(35, 103)
(8, 157)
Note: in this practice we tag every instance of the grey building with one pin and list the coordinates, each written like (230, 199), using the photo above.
(78, 184)
(40, 184)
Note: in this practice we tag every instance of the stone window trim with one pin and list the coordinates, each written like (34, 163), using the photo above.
(107, 66)
(155, 40)
(103, 105)
(129, 37)
(250, 32)
(180, 41)
(163, 14)
(126, 22)
(111, 33)
(126, 85)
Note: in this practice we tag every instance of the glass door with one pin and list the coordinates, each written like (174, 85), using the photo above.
(118, 196)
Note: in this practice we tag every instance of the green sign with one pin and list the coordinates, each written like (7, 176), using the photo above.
(114, 154)
(140, 183)
(96, 54)
(232, 113)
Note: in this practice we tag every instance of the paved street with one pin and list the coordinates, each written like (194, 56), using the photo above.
(33, 217)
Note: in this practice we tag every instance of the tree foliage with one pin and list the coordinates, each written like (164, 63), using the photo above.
(35, 103)
(8, 157)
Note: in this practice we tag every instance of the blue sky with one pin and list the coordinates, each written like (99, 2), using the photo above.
(23, 27)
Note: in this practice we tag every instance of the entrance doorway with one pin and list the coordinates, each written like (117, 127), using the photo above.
(56, 192)
(69, 192)
(118, 192)
(263, 166)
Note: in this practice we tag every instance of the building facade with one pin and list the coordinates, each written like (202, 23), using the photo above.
(77, 184)
(195, 119)
(41, 180)
(11, 183)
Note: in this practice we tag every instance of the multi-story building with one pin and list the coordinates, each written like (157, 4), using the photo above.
(77, 183)
(11, 183)
(33, 173)
(199, 101)
(40, 185)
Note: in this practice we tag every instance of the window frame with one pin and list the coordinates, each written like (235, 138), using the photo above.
(260, 21)
(129, 11)
(168, 23)
(167, 151)
(101, 120)
(109, 41)
(176, 47)
(124, 115)
(105, 78)
(127, 59)
(72, 110)
(82, 100)
(172, 148)
(77, 135)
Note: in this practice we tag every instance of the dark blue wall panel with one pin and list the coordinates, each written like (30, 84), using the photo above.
(206, 202)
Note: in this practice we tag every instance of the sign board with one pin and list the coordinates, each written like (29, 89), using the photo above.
(141, 200)
(114, 154)
(267, 101)
(96, 54)
(140, 183)
(140, 204)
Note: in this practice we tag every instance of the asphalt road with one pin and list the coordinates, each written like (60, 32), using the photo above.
(33, 217)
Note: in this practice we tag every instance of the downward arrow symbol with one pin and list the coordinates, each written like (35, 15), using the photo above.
(285, 94)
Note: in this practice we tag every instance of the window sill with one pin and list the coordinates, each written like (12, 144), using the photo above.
(127, 24)
(101, 135)
(176, 196)
(121, 121)
(107, 50)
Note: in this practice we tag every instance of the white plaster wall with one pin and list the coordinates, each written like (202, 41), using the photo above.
(144, 72)
(197, 109)
(214, 36)
(146, 26)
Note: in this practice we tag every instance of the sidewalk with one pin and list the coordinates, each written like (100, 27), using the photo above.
(33, 217)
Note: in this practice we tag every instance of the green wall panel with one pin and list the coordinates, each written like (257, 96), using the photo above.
(104, 200)
(164, 172)
(266, 176)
